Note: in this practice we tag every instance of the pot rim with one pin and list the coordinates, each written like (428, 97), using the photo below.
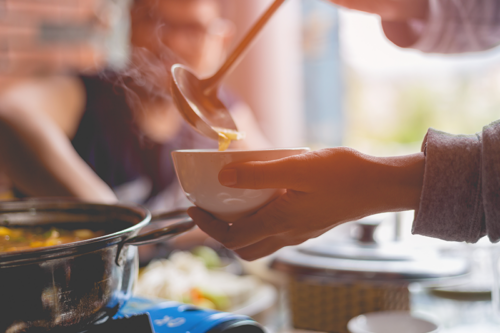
(78, 247)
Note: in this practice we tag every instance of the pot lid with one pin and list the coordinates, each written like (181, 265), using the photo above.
(297, 262)
(359, 251)
(363, 258)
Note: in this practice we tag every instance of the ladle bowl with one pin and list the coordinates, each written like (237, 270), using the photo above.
(203, 112)
(196, 99)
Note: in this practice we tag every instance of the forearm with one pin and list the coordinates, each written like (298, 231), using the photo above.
(393, 183)
(40, 160)
(400, 33)
(396, 25)
(389, 10)
(395, 16)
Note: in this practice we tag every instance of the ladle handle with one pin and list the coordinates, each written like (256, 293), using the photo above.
(211, 83)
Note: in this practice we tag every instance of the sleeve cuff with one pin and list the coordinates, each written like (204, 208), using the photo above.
(451, 205)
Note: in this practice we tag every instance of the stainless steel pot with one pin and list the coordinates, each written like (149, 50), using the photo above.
(70, 286)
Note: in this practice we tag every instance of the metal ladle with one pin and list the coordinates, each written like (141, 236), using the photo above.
(196, 99)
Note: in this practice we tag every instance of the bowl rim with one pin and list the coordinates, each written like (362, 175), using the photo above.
(230, 151)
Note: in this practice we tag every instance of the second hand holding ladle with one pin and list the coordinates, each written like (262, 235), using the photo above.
(196, 99)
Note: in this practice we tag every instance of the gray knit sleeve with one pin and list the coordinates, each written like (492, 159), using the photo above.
(461, 193)
(451, 206)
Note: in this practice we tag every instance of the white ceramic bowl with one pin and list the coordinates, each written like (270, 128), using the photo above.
(198, 172)
(391, 322)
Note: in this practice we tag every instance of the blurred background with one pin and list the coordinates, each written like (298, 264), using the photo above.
(318, 76)
(393, 95)
(59, 35)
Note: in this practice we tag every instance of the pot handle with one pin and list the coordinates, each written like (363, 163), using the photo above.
(166, 232)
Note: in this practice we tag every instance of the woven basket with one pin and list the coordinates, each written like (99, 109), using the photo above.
(326, 305)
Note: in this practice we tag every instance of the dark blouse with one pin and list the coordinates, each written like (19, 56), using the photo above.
(110, 142)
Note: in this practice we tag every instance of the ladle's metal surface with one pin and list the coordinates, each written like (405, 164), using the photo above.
(196, 99)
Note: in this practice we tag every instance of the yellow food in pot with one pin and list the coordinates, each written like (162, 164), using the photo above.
(19, 239)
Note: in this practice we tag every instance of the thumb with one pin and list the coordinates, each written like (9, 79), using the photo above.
(283, 173)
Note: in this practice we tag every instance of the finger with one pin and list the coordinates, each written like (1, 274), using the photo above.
(232, 236)
(262, 249)
(388, 10)
(210, 225)
(286, 173)
(245, 232)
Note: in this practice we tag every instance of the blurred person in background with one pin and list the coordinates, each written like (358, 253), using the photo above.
(121, 126)
(40, 41)
(108, 137)
(453, 184)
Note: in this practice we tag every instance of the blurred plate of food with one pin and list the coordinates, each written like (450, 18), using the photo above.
(201, 278)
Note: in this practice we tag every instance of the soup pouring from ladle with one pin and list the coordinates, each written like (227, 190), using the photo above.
(196, 99)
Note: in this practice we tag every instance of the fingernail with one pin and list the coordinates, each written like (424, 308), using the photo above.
(228, 177)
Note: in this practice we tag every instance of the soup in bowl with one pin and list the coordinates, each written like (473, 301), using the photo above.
(198, 171)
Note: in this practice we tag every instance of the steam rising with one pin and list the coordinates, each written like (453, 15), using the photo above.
(147, 77)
